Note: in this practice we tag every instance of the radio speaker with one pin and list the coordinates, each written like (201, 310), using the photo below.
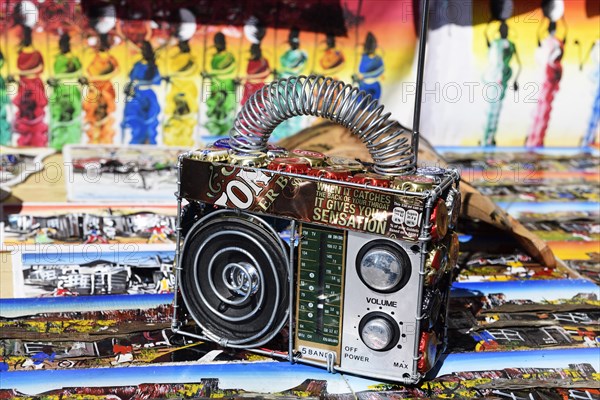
(235, 279)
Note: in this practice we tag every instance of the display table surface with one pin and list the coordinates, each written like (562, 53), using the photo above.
(522, 332)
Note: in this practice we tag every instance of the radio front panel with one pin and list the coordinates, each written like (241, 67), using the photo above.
(392, 307)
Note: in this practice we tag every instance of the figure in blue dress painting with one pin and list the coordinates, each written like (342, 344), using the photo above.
(592, 134)
(142, 108)
(5, 135)
(294, 60)
(370, 69)
(292, 63)
(501, 51)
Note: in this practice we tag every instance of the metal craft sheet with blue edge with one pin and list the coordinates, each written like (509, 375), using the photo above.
(136, 173)
(14, 308)
(274, 377)
(59, 270)
(536, 291)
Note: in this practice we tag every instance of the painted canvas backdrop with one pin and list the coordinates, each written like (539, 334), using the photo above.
(161, 73)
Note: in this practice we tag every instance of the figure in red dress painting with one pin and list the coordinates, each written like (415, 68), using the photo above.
(257, 72)
(551, 50)
(31, 99)
(258, 69)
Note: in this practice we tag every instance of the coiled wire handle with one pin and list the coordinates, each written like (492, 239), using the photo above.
(389, 143)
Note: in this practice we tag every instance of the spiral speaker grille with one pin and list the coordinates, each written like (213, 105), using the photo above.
(234, 279)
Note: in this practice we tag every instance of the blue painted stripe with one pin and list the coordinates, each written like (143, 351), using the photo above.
(518, 149)
(535, 290)
(550, 207)
(13, 308)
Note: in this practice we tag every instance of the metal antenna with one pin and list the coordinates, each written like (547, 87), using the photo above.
(420, 70)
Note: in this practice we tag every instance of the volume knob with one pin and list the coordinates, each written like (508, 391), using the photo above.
(379, 331)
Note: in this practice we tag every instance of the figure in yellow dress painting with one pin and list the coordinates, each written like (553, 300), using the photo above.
(181, 108)
(182, 100)
(99, 102)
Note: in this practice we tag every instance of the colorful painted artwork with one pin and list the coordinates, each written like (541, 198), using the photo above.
(591, 137)
(141, 111)
(515, 315)
(65, 223)
(5, 131)
(167, 77)
(130, 332)
(514, 166)
(101, 69)
(65, 106)
(133, 172)
(501, 53)
(221, 104)
(65, 271)
(17, 164)
(29, 123)
(588, 268)
(506, 194)
(478, 267)
(124, 350)
(96, 72)
(514, 73)
(182, 67)
(551, 192)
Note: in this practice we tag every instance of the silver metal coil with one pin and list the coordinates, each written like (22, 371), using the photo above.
(389, 143)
